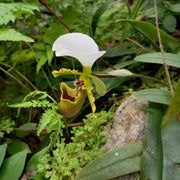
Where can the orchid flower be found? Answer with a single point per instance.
(78, 45)
(85, 50)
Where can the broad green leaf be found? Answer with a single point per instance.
(100, 86)
(154, 95)
(17, 146)
(171, 149)
(2, 152)
(150, 32)
(149, 12)
(152, 158)
(32, 163)
(169, 22)
(118, 162)
(13, 35)
(13, 166)
(24, 126)
(175, 8)
(174, 107)
(171, 59)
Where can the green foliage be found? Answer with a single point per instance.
(41, 99)
(13, 166)
(171, 59)
(160, 156)
(119, 162)
(67, 159)
(50, 119)
(129, 35)
(6, 126)
(2, 152)
(13, 35)
(170, 43)
(11, 11)
(154, 95)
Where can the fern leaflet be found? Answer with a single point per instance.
(11, 11)
(13, 35)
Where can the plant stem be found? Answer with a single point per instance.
(20, 74)
(106, 75)
(151, 78)
(162, 51)
(13, 77)
(47, 79)
(35, 129)
(54, 14)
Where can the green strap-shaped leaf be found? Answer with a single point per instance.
(154, 95)
(100, 86)
(118, 162)
(161, 160)
(171, 149)
(2, 152)
(13, 166)
(150, 32)
(152, 159)
(171, 59)
(174, 107)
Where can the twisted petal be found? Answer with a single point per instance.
(79, 46)
(65, 71)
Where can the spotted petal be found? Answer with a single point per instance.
(79, 46)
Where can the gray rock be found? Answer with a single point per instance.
(127, 127)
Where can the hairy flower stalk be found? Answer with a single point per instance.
(85, 50)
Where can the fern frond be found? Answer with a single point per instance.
(38, 95)
(34, 104)
(45, 119)
(11, 11)
(52, 120)
(13, 35)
